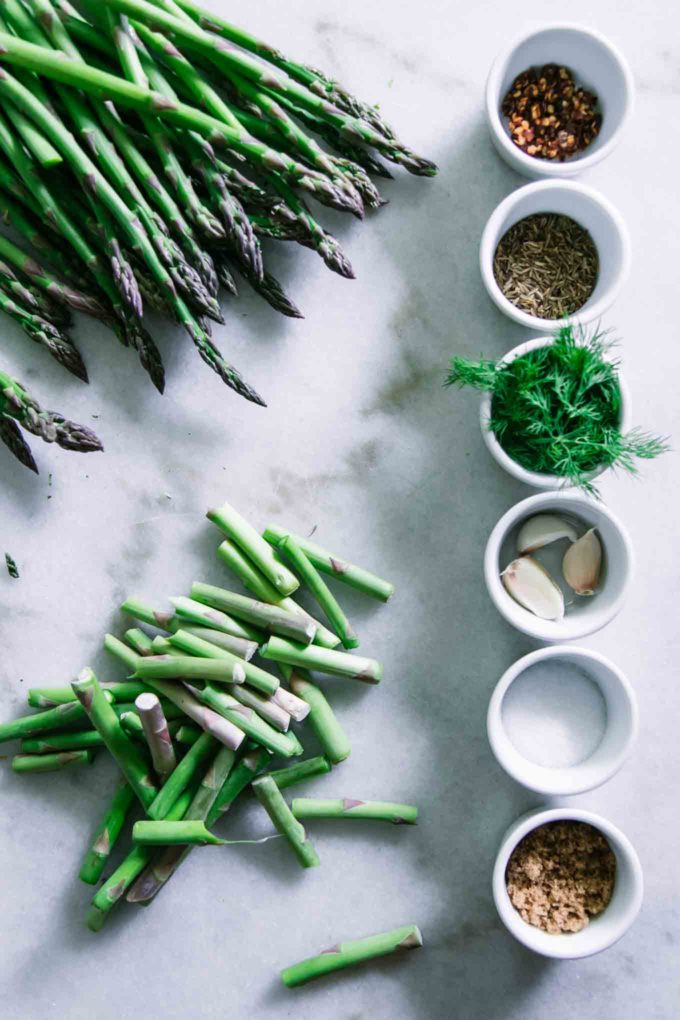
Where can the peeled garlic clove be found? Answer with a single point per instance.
(582, 562)
(542, 530)
(530, 584)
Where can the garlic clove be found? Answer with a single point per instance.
(530, 584)
(582, 562)
(542, 530)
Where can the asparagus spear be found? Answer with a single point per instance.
(10, 435)
(157, 735)
(185, 667)
(246, 538)
(43, 332)
(325, 660)
(300, 772)
(71, 715)
(183, 773)
(320, 590)
(269, 619)
(240, 647)
(121, 651)
(188, 833)
(253, 675)
(380, 811)
(246, 719)
(335, 566)
(107, 833)
(213, 723)
(147, 614)
(326, 727)
(204, 616)
(104, 719)
(347, 954)
(45, 279)
(140, 642)
(240, 777)
(48, 697)
(188, 735)
(271, 799)
(295, 707)
(25, 763)
(54, 743)
(50, 426)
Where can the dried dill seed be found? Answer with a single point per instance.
(547, 265)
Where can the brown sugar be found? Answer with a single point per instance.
(560, 875)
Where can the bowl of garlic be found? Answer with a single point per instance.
(558, 566)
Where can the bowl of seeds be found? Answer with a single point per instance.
(557, 99)
(554, 251)
(567, 883)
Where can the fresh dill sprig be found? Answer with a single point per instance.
(556, 410)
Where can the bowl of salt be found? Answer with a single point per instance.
(562, 720)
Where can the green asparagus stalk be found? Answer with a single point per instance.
(55, 743)
(181, 776)
(296, 708)
(248, 720)
(132, 724)
(271, 799)
(246, 538)
(258, 585)
(105, 721)
(300, 772)
(270, 619)
(187, 833)
(200, 615)
(140, 610)
(25, 763)
(258, 678)
(45, 279)
(326, 727)
(184, 667)
(106, 835)
(240, 647)
(11, 436)
(51, 427)
(335, 566)
(347, 954)
(223, 730)
(157, 735)
(48, 697)
(379, 811)
(188, 735)
(140, 642)
(44, 333)
(240, 777)
(324, 660)
(121, 651)
(71, 715)
(320, 590)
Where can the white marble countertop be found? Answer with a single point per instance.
(361, 441)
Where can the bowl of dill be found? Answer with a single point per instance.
(556, 411)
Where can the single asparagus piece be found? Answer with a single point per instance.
(266, 708)
(48, 697)
(157, 735)
(247, 719)
(240, 647)
(295, 707)
(204, 616)
(273, 293)
(188, 833)
(320, 590)
(240, 777)
(45, 279)
(300, 772)
(50, 426)
(41, 331)
(270, 619)
(246, 538)
(132, 724)
(335, 566)
(71, 715)
(326, 727)
(56, 742)
(324, 660)
(271, 799)
(121, 651)
(253, 675)
(347, 954)
(185, 667)
(117, 884)
(213, 723)
(258, 585)
(188, 735)
(379, 811)
(106, 835)
(105, 721)
(140, 610)
(50, 762)
(140, 642)
(178, 780)
(11, 436)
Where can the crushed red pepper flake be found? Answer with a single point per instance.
(549, 116)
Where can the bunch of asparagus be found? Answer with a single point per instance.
(198, 721)
(146, 150)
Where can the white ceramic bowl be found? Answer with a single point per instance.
(588, 208)
(602, 931)
(587, 614)
(605, 761)
(596, 64)
(534, 478)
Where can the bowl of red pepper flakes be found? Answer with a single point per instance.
(557, 99)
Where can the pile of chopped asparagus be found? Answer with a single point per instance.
(197, 721)
(146, 151)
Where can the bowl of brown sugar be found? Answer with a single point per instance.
(567, 883)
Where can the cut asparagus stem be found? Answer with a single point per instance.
(157, 735)
(59, 718)
(107, 833)
(324, 660)
(374, 810)
(240, 647)
(300, 772)
(326, 727)
(50, 762)
(147, 614)
(346, 954)
(188, 735)
(138, 640)
(203, 616)
(191, 764)
(335, 566)
(296, 708)
(105, 721)
(254, 547)
(220, 728)
(57, 742)
(270, 619)
(117, 884)
(186, 667)
(266, 708)
(258, 678)
(240, 777)
(248, 720)
(320, 590)
(271, 799)
(132, 724)
(121, 651)
(188, 833)
(49, 697)
(258, 585)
